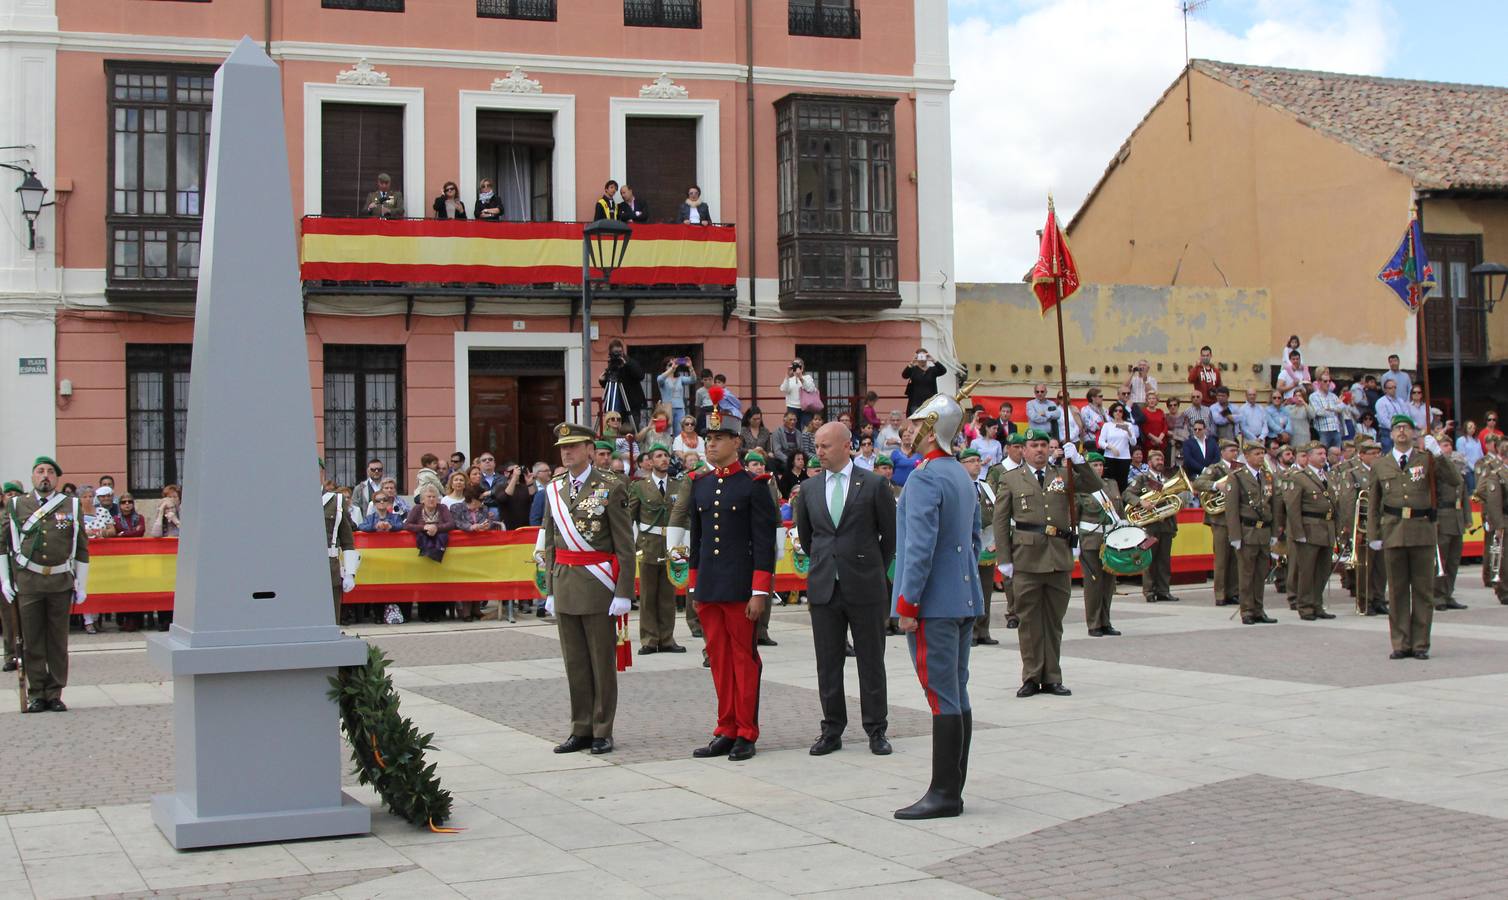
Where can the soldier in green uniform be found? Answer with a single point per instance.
(754, 461)
(1491, 463)
(588, 558)
(46, 574)
(344, 560)
(1141, 491)
(884, 468)
(985, 496)
(1492, 490)
(1226, 583)
(1034, 530)
(1402, 491)
(1372, 589)
(1249, 502)
(1309, 499)
(649, 502)
(1095, 518)
(1450, 531)
(8, 620)
(677, 543)
(1015, 449)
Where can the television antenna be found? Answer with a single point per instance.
(1188, 8)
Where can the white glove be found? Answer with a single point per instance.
(350, 561)
(1301, 539)
(80, 583)
(1236, 544)
(1075, 552)
(1008, 570)
(1432, 445)
(1375, 545)
(7, 589)
(347, 583)
(1071, 453)
(550, 605)
(620, 606)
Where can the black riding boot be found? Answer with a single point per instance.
(943, 797)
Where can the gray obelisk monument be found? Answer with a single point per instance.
(259, 753)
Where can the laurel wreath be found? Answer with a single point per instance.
(386, 747)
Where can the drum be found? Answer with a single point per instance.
(1127, 550)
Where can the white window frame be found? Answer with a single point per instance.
(466, 341)
(709, 166)
(412, 101)
(562, 159)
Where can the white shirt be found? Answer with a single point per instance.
(888, 438)
(846, 474)
(865, 462)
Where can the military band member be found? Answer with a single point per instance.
(1372, 589)
(1402, 490)
(1035, 536)
(986, 502)
(677, 546)
(588, 541)
(1015, 449)
(1450, 531)
(649, 501)
(1492, 490)
(937, 597)
(1226, 581)
(1142, 491)
(46, 574)
(8, 620)
(1095, 519)
(732, 557)
(1310, 504)
(341, 548)
(1249, 503)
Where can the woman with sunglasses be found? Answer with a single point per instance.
(449, 204)
(489, 206)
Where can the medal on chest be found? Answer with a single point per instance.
(62, 521)
(1416, 473)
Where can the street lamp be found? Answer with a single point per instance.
(1484, 273)
(32, 193)
(603, 244)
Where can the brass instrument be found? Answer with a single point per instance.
(1494, 559)
(1165, 502)
(1361, 560)
(1213, 500)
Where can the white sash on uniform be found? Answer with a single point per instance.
(561, 513)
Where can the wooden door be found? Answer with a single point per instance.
(661, 163)
(541, 398)
(1452, 259)
(494, 414)
(359, 141)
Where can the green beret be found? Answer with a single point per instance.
(884, 462)
(753, 456)
(14, 486)
(609, 446)
(653, 447)
(1399, 419)
(49, 461)
(970, 453)
(1094, 456)
(1017, 438)
(813, 463)
(1035, 434)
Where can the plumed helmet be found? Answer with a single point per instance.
(941, 416)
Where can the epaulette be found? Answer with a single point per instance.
(561, 478)
(697, 473)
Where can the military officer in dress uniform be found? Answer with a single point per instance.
(1141, 491)
(1096, 518)
(1450, 530)
(1371, 590)
(649, 502)
(972, 463)
(1309, 499)
(937, 597)
(45, 575)
(588, 558)
(1402, 491)
(1034, 531)
(1015, 448)
(732, 557)
(1250, 498)
(8, 620)
(344, 560)
(1226, 583)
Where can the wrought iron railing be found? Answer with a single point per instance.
(824, 21)
(663, 13)
(534, 10)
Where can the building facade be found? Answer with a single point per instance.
(817, 130)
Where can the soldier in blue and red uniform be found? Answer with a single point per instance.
(732, 559)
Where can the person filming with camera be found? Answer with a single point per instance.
(801, 394)
(921, 379)
(622, 383)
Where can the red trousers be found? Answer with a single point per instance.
(736, 667)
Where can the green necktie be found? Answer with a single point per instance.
(835, 501)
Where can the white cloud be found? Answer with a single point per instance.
(1043, 101)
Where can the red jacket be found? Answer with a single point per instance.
(1206, 382)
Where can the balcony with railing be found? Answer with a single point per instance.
(364, 5)
(663, 13)
(531, 10)
(824, 21)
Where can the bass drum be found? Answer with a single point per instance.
(1127, 550)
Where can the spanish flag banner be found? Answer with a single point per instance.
(468, 252)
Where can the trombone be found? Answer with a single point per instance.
(1360, 559)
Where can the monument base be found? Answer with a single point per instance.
(186, 831)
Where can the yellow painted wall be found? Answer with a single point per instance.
(1256, 199)
(1487, 219)
(1107, 328)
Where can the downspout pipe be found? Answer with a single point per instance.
(753, 216)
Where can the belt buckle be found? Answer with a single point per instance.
(1408, 512)
(1329, 515)
(47, 570)
(1051, 530)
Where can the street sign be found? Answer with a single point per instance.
(33, 365)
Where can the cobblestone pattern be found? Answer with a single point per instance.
(1309, 652)
(474, 645)
(1248, 837)
(291, 888)
(111, 667)
(664, 715)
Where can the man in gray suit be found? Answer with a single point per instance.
(845, 519)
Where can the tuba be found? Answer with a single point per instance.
(1213, 500)
(1166, 502)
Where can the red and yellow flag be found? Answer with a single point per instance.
(1055, 278)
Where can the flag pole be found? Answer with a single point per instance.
(1057, 288)
(1429, 400)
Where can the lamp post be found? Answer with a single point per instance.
(33, 194)
(1485, 273)
(603, 244)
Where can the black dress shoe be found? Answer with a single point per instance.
(879, 745)
(1096, 632)
(539, 612)
(36, 706)
(1449, 604)
(696, 632)
(57, 705)
(1107, 631)
(767, 642)
(1248, 620)
(988, 641)
(1306, 618)
(718, 746)
(673, 648)
(574, 744)
(10, 665)
(1265, 619)
(706, 660)
(826, 744)
(1012, 622)
(742, 750)
(1169, 598)
(1400, 654)
(647, 649)
(1057, 690)
(601, 746)
(1028, 689)
(1324, 615)
(1418, 654)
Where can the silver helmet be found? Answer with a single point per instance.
(941, 416)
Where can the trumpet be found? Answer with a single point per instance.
(1213, 500)
(1165, 502)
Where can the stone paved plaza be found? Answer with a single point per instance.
(1197, 758)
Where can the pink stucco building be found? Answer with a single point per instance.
(818, 128)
